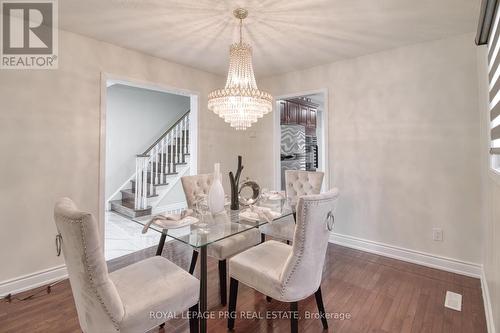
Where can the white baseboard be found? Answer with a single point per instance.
(416, 257)
(488, 310)
(32, 280)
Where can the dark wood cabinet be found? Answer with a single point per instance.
(304, 111)
(311, 119)
(298, 112)
(293, 113)
(283, 112)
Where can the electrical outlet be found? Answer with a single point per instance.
(437, 234)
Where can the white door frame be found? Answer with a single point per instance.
(277, 135)
(133, 82)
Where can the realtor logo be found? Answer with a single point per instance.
(29, 34)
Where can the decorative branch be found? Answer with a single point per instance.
(235, 184)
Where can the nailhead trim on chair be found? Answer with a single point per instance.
(302, 230)
(89, 271)
(301, 250)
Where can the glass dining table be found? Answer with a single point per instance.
(212, 228)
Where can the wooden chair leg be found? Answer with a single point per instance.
(223, 282)
(233, 295)
(194, 258)
(193, 319)
(294, 317)
(321, 308)
(161, 244)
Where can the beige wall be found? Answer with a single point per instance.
(403, 144)
(49, 140)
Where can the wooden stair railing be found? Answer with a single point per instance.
(160, 160)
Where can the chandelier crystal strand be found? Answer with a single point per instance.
(240, 103)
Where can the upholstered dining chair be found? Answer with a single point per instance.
(298, 182)
(128, 299)
(198, 185)
(289, 273)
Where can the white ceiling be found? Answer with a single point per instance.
(286, 35)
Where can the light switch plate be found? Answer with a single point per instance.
(437, 234)
(453, 301)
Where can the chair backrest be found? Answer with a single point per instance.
(98, 304)
(299, 182)
(301, 276)
(196, 185)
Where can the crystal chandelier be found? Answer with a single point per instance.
(240, 103)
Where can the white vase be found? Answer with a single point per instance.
(216, 192)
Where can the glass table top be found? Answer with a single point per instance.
(212, 228)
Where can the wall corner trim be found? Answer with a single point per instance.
(408, 255)
(33, 280)
(488, 310)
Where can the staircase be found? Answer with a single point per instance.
(158, 169)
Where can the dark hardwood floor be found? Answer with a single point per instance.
(378, 294)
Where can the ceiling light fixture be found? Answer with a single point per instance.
(240, 103)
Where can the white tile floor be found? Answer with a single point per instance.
(123, 236)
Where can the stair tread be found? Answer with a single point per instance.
(129, 208)
(164, 162)
(165, 173)
(129, 191)
(160, 184)
(176, 153)
(127, 205)
(159, 169)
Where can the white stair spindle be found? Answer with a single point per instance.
(174, 145)
(152, 162)
(156, 159)
(171, 154)
(167, 161)
(177, 134)
(145, 164)
(149, 165)
(181, 160)
(182, 140)
(141, 181)
(162, 159)
(177, 143)
(136, 189)
(165, 156)
(144, 182)
(187, 132)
